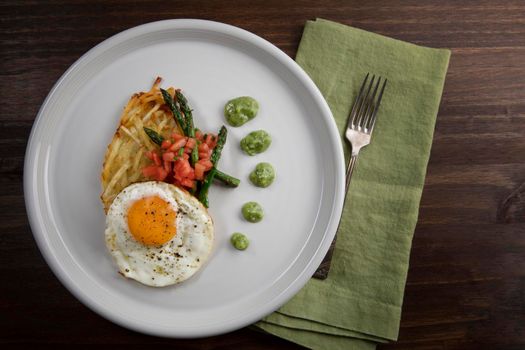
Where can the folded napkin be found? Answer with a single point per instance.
(359, 304)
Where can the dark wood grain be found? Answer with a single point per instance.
(466, 283)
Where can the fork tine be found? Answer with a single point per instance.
(364, 104)
(370, 108)
(353, 112)
(373, 117)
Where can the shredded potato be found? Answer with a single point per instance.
(124, 160)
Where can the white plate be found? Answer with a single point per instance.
(211, 62)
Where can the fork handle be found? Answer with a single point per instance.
(350, 169)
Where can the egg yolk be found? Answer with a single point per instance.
(151, 221)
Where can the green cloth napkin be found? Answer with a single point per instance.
(359, 304)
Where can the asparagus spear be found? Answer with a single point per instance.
(190, 129)
(228, 180)
(183, 103)
(154, 136)
(221, 140)
(215, 156)
(220, 176)
(176, 113)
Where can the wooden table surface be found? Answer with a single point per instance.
(466, 284)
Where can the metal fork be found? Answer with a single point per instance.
(362, 119)
(359, 127)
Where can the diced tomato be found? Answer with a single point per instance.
(211, 140)
(191, 143)
(199, 171)
(187, 183)
(178, 166)
(205, 155)
(185, 168)
(206, 163)
(178, 163)
(177, 177)
(155, 172)
(165, 144)
(177, 145)
(198, 135)
(204, 151)
(203, 147)
(167, 165)
(156, 159)
(162, 174)
(176, 137)
(150, 171)
(172, 162)
(168, 156)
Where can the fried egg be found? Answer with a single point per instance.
(158, 234)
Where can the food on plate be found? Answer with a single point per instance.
(226, 179)
(256, 142)
(252, 212)
(263, 175)
(156, 176)
(177, 151)
(125, 155)
(239, 241)
(214, 158)
(240, 110)
(156, 140)
(158, 234)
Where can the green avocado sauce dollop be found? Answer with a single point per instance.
(239, 241)
(263, 175)
(256, 142)
(240, 110)
(252, 212)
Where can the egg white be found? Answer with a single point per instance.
(172, 262)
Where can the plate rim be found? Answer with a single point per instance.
(34, 211)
